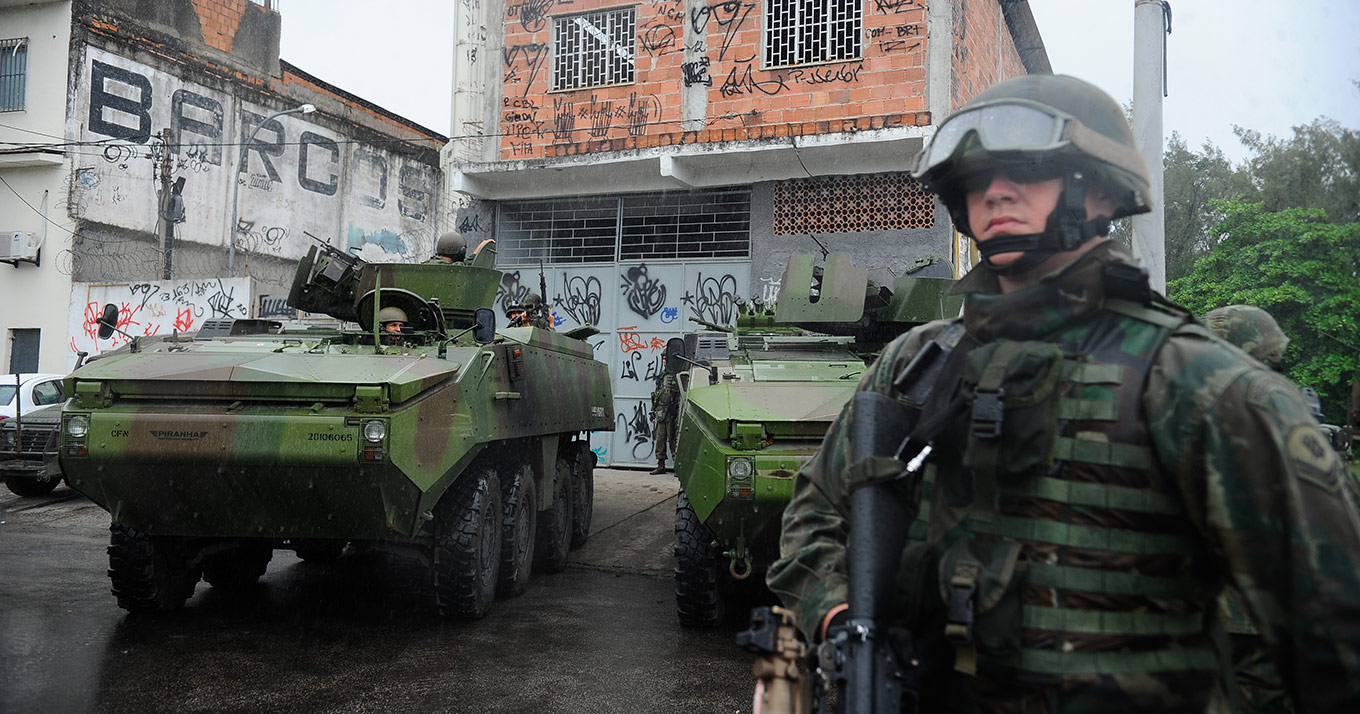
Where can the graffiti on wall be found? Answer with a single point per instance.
(153, 308)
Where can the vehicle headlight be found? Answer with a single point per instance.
(739, 468)
(78, 426)
(375, 430)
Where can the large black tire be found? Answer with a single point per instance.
(468, 546)
(149, 573)
(698, 594)
(554, 524)
(582, 493)
(519, 527)
(28, 486)
(238, 568)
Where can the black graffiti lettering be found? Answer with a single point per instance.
(379, 167)
(210, 151)
(531, 55)
(730, 16)
(645, 295)
(908, 30)
(510, 292)
(101, 99)
(715, 299)
(532, 14)
(651, 367)
(640, 112)
(306, 142)
(471, 223)
(564, 120)
(223, 303)
(414, 188)
(637, 430)
(894, 6)
(263, 149)
(658, 39)
(696, 73)
(274, 306)
(580, 298)
(827, 75)
(744, 83)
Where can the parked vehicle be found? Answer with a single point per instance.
(27, 391)
(759, 399)
(28, 451)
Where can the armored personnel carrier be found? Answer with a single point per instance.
(431, 435)
(760, 398)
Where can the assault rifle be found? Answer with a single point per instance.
(867, 666)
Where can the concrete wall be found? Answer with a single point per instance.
(35, 297)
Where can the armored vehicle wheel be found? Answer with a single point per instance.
(554, 524)
(582, 493)
(698, 599)
(149, 573)
(468, 546)
(238, 568)
(24, 486)
(519, 526)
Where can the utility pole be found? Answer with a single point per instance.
(1151, 25)
(165, 226)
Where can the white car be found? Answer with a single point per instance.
(33, 390)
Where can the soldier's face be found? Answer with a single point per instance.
(1000, 206)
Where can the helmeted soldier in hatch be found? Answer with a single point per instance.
(1251, 329)
(666, 417)
(450, 247)
(1099, 464)
(530, 313)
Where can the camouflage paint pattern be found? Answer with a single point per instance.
(1240, 454)
(263, 435)
(1251, 329)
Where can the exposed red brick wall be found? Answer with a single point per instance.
(219, 19)
(978, 60)
(884, 88)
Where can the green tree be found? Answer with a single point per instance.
(1192, 181)
(1301, 268)
(1318, 167)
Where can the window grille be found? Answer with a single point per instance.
(13, 74)
(671, 225)
(799, 32)
(593, 50)
(851, 204)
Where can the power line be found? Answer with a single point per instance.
(35, 210)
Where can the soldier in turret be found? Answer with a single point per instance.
(1088, 465)
(450, 248)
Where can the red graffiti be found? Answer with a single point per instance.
(91, 325)
(184, 320)
(658, 344)
(630, 342)
(151, 330)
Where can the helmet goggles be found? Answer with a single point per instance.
(1013, 125)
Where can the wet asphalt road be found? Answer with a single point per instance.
(360, 635)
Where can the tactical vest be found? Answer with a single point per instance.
(1060, 548)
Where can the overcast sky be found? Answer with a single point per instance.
(1262, 64)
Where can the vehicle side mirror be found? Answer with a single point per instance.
(108, 321)
(484, 327)
(675, 349)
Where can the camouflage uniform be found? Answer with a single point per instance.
(666, 415)
(1162, 483)
(1256, 678)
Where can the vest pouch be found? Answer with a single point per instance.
(1012, 392)
(979, 581)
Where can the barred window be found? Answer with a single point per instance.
(595, 49)
(668, 225)
(799, 32)
(13, 74)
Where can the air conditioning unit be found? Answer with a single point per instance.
(19, 245)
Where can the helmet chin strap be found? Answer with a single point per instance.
(1066, 229)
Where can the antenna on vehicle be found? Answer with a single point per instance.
(825, 252)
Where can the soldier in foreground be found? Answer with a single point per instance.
(1086, 466)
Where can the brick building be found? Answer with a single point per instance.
(662, 158)
(117, 113)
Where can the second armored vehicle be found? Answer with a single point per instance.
(425, 432)
(759, 400)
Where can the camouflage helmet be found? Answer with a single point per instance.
(391, 314)
(451, 245)
(1036, 121)
(531, 301)
(1251, 329)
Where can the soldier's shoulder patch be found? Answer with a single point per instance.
(1313, 457)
